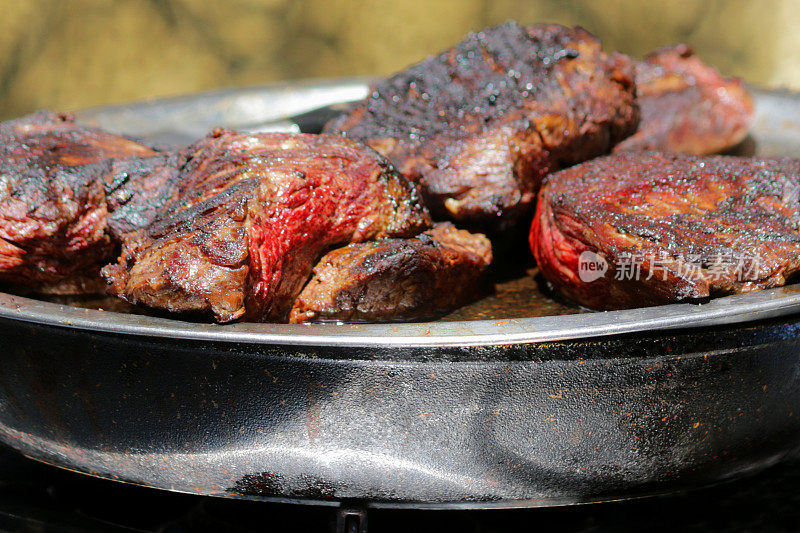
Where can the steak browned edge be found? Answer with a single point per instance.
(669, 227)
(396, 279)
(251, 216)
(52, 201)
(479, 125)
(687, 106)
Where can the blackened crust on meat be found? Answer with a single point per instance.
(137, 189)
(479, 125)
(670, 227)
(52, 201)
(250, 217)
(687, 106)
(396, 279)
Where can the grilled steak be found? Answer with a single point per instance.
(394, 279)
(687, 106)
(667, 227)
(52, 201)
(479, 125)
(250, 217)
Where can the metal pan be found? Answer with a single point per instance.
(539, 410)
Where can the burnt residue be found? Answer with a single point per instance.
(267, 484)
(520, 297)
(310, 487)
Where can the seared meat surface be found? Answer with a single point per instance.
(52, 201)
(687, 106)
(249, 218)
(479, 125)
(667, 227)
(232, 225)
(396, 279)
(137, 189)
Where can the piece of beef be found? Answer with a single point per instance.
(396, 279)
(667, 227)
(687, 106)
(251, 215)
(52, 201)
(479, 125)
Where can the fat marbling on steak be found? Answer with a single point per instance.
(250, 216)
(52, 201)
(687, 106)
(480, 124)
(396, 279)
(667, 227)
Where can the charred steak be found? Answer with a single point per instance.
(396, 279)
(638, 229)
(52, 201)
(250, 217)
(479, 125)
(137, 188)
(687, 106)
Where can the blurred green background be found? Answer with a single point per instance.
(68, 54)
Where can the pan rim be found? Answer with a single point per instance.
(726, 310)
